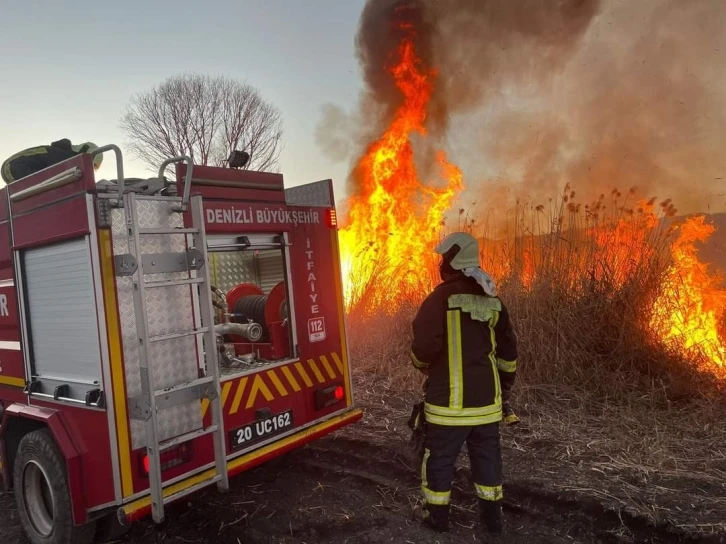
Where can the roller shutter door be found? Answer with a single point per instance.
(61, 310)
(271, 270)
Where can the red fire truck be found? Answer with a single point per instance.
(158, 336)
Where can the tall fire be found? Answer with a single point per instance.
(691, 305)
(395, 218)
(396, 210)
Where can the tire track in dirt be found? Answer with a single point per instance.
(381, 466)
(344, 489)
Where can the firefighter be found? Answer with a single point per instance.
(463, 341)
(34, 159)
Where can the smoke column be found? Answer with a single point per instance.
(531, 95)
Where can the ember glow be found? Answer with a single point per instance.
(394, 219)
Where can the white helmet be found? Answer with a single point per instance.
(468, 254)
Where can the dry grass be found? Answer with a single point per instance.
(611, 408)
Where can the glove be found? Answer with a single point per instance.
(509, 417)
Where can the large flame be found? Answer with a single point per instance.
(691, 305)
(394, 219)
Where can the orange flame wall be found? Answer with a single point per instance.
(394, 219)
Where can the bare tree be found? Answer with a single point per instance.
(205, 118)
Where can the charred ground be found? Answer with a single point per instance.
(566, 481)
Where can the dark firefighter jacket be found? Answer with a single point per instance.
(464, 339)
(35, 159)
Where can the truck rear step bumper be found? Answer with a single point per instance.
(140, 508)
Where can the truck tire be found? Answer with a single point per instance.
(42, 495)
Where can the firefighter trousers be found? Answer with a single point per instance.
(443, 445)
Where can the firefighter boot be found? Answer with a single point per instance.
(433, 516)
(490, 514)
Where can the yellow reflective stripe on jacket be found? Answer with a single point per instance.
(462, 417)
(464, 421)
(489, 493)
(479, 307)
(506, 366)
(462, 412)
(416, 362)
(456, 371)
(497, 388)
(493, 339)
(493, 359)
(31, 151)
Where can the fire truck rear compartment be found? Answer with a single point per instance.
(251, 290)
(140, 271)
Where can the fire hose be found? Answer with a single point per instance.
(251, 331)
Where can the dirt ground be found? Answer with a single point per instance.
(359, 486)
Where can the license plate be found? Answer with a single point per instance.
(261, 429)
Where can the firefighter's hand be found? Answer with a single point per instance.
(509, 417)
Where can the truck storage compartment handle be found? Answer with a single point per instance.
(119, 169)
(187, 178)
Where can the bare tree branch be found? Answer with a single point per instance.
(205, 118)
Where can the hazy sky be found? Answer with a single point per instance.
(68, 68)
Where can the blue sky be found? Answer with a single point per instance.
(69, 68)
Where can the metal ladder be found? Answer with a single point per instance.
(207, 387)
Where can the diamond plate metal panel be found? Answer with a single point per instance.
(170, 309)
(311, 194)
(230, 268)
(157, 213)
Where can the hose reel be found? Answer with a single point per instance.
(248, 303)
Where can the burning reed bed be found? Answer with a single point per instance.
(621, 367)
(599, 290)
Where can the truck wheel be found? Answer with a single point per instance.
(41, 493)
